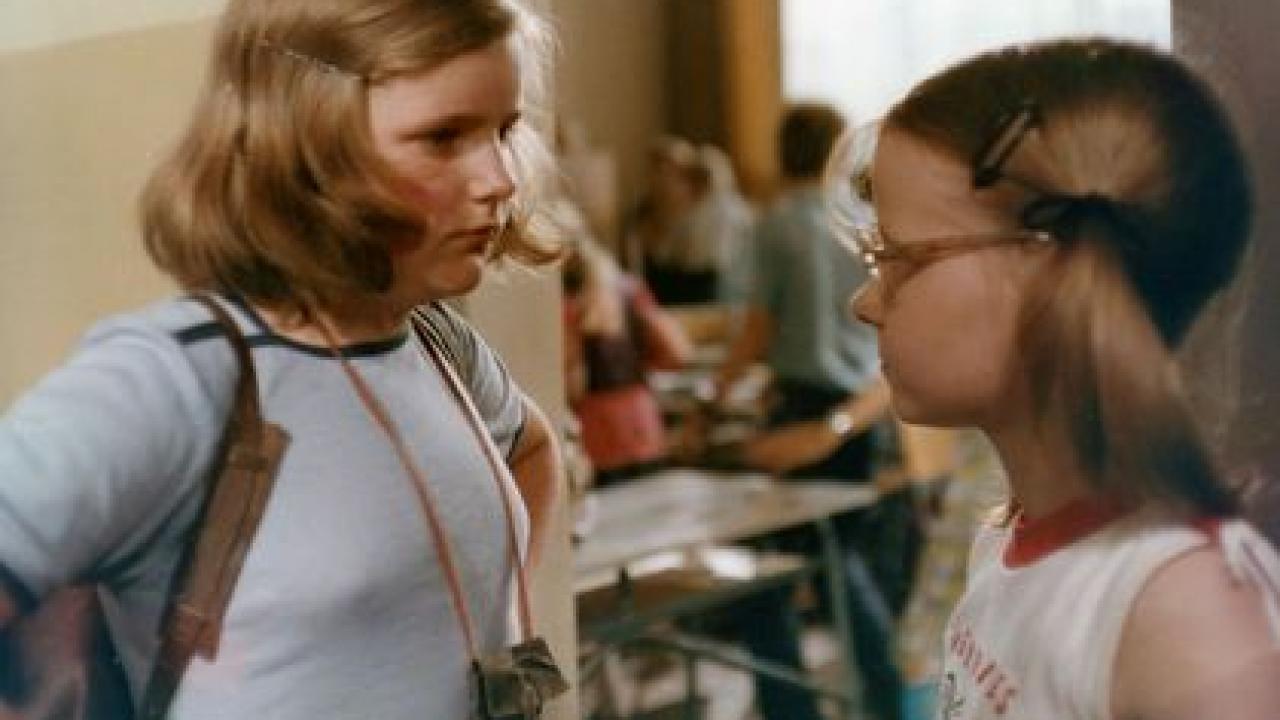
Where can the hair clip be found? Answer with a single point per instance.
(1008, 134)
(300, 56)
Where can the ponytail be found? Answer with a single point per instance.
(1114, 381)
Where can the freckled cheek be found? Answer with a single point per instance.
(980, 363)
(930, 351)
(904, 334)
(947, 388)
(907, 358)
(417, 193)
(426, 201)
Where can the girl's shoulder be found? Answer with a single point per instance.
(176, 340)
(110, 449)
(1204, 626)
(1234, 572)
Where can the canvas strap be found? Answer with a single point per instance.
(233, 508)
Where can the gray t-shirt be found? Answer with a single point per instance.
(804, 280)
(342, 610)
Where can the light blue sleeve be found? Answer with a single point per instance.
(496, 395)
(102, 456)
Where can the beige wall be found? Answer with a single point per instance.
(610, 78)
(37, 24)
(81, 121)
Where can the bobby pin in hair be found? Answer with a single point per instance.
(316, 62)
(1008, 133)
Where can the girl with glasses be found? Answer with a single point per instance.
(1052, 219)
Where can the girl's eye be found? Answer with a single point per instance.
(504, 133)
(442, 139)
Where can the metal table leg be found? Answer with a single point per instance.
(690, 686)
(833, 559)
(692, 646)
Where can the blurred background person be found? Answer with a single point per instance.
(827, 396)
(615, 333)
(826, 392)
(657, 240)
(721, 224)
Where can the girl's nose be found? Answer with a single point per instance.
(493, 180)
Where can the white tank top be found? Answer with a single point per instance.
(1038, 640)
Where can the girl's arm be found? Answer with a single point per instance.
(667, 345)
(535, 464)
(104, 460)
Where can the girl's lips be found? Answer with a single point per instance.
(476, 242)
(485, 230)
(476, 235)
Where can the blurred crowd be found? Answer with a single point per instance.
(713, 331)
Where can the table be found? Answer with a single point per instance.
(683, 509)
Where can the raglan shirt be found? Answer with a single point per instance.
(341, 609)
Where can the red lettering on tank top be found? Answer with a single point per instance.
(1003, 699)
(974, 660)
(989, 678)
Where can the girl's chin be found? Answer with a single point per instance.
(459, 280)
(909, 411)
(917, 413)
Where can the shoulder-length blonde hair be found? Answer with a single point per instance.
(1130, 162)
(275, 193)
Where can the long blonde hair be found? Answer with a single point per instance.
(274, 192)
(1130, 162)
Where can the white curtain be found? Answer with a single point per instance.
(861, 55)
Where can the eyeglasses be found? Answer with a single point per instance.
(893, 261)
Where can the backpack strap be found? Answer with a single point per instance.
(236, 497)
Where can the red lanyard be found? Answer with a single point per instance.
(426, 500)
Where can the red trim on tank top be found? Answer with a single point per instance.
(1209, 525)
(1032, 540)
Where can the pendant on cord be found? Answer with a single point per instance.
(516, 683)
